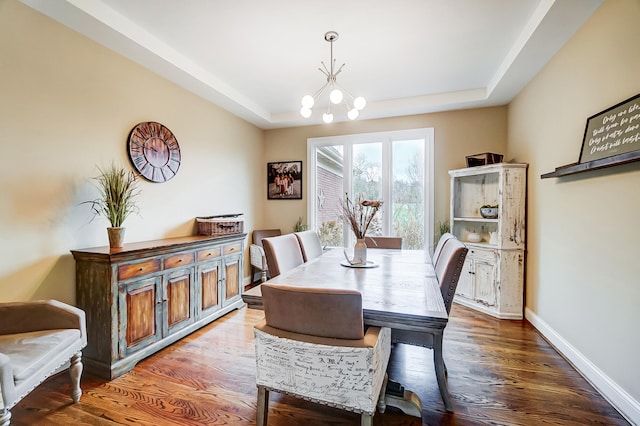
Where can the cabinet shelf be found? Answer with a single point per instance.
(475, 219)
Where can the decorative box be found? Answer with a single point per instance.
(225, 224)
(483, 159)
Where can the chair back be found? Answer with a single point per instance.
(309, 244)
(318, 312)
(283, 253)
(441, 242)
(259, 234)
(383, 242)
(449, 268)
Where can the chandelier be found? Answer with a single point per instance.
(337, 95)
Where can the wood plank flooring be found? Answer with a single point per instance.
(500, 373)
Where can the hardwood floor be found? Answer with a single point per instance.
(500, 373)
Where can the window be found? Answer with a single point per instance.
(395, 167)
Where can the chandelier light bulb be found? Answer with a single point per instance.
(353, 114)
(327, 117)
(305, 112)
(336, 96)
(359, 103)
(307, 102)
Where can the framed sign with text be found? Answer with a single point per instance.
(614, 131)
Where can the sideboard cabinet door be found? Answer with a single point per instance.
(232, 279)
(209, 300)
(140, 319)
(177, 305)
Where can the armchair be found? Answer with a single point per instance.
(312, 345)
(256, 252)
(36, 339)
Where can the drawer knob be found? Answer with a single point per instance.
(141, 269)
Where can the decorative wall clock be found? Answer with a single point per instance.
(154, 151)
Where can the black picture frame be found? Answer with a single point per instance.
(611, 132)
(284, 180)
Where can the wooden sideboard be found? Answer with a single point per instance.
(147, 295)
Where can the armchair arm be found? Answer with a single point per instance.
(22, 317)
(258, 259)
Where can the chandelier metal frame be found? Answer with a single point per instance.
(337, 96)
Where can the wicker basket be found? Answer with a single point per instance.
(227, 224)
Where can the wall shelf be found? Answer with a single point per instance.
(572, 169)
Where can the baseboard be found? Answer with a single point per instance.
(618, 397)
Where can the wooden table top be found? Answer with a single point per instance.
(401, 292)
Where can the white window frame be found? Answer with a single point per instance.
(427, 134)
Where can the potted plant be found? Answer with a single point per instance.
(118, 191)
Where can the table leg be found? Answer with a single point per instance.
(441, 372)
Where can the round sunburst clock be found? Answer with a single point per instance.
(154, 151)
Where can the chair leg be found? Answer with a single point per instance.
(366, 419)
(5, 417)
(441, 372)
(263, 406)
(382, 398)
(263, 277)
(75, 371)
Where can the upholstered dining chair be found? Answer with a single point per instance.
(383, 242)
(256, 252)
(448, 270)
(282, 253)
(441, 242)
(36, 339)
(309, 244)
(312, 345)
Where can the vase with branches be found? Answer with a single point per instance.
(117, 201)
(359, 214)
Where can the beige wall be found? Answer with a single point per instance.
(67, 104)
(456, 133)
(582, 266)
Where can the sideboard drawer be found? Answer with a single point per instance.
(137, 269)
(210, 253)
(178, 260)
(232, 248)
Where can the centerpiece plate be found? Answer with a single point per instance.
(368, 264)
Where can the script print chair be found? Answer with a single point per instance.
(312, 345)
(448, 270)
(256, 252)
(282, 253)
(36, 339)
(310, 244)
(383, 242)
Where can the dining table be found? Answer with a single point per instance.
(399, 290)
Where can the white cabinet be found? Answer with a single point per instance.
(493, 277)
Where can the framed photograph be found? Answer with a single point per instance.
(284, 180)
(614, 131)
